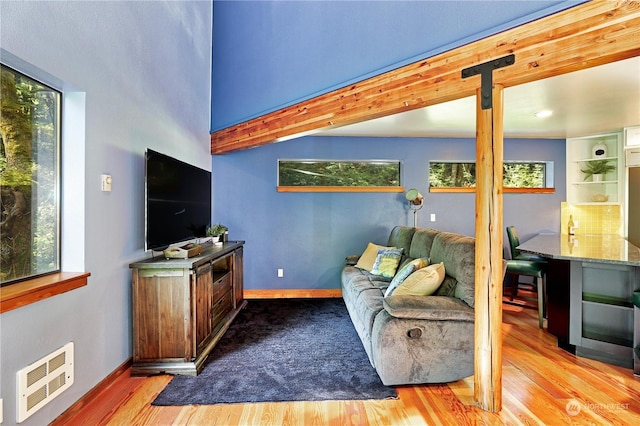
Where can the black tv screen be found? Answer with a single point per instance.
(178, 201)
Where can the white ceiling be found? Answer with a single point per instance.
(591, 101)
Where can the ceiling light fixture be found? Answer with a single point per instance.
(544, 113)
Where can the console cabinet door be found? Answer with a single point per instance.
(203, 300)
(161, 311)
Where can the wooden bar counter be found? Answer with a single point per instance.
(590, 283)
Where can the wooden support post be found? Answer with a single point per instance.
(489, 263)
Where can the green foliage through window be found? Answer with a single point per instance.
(29, 177)
(338, 173)
(517, 174)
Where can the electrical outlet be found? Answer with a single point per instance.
(105, 183)
(280, 272)
(433, 217)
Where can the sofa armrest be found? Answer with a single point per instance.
(352, 259)
(437, 308)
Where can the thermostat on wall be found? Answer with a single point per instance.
(599, 151)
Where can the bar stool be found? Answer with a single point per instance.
(636, 333)
(516, 254)
(526, 264)
(515, 268)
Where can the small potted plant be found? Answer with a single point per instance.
(597, 169)
(217, 232)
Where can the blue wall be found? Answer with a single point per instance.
(270, 54)
(309, 234)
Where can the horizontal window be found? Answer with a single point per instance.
(518, 176)
(339, 176)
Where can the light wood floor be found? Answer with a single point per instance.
(542, 385)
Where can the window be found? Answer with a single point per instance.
(339, 176)
(29, 177)
(518, 176)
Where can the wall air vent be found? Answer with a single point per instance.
(44, 380)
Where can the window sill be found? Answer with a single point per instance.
(340, 188)
(31, 291)
(504, 190)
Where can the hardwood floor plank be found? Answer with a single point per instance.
(541, 383)
(135, 407)
(518, 411)
(353, 413)
(415, 408)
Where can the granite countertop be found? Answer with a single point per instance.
(586, 248)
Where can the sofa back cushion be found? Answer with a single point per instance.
(458, 254)
(401, 237)
(421, 243)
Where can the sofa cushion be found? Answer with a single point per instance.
(404, 272)
(401, 237)
(423, 282)
(366, 307)
(458, 254)
(368, 257)
(447, 288)
(387, 262)
(422, 242)
(360, 280)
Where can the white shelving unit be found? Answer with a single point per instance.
(579, 154)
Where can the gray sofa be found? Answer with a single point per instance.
(417, 339)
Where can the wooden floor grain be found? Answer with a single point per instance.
(542, 385)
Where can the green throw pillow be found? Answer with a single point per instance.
(404, 272)
(387, 262)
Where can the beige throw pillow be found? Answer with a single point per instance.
(423, 282)
(368, 258)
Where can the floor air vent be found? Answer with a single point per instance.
(43, 380)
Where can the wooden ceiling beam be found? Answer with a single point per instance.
(584, 36)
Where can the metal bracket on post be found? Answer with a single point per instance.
(486, 73)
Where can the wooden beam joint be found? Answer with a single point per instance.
(486, 74)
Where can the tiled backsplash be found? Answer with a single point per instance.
(592, 218)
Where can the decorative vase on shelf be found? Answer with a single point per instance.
(597, 177)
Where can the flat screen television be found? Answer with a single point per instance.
(178, 201)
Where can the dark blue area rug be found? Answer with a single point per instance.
(283, 350)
